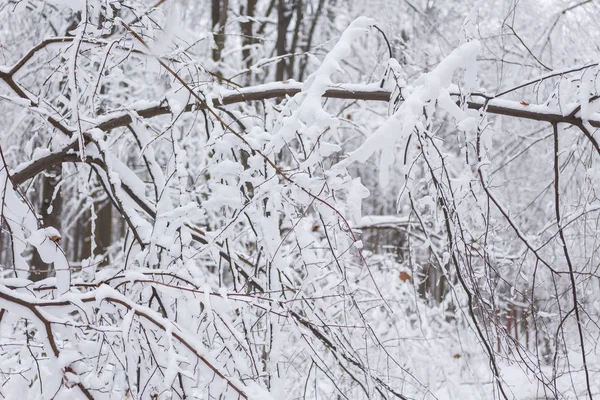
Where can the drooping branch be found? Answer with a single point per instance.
(561, 235)
(36, 308)
(45, 325)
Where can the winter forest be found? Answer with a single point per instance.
(299, 199)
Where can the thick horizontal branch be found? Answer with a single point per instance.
(243, 95)
(34, 167)
(352, 92)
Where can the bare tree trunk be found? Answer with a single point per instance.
(83, 236)
(103, 231)
(219, 20)
(309, 38)
(5, 244)
(248, 38)
(295, 37)
(283, 21)
(50, 212)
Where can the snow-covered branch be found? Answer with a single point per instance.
(367, 92)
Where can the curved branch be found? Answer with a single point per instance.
(161, 323)
(47, 324)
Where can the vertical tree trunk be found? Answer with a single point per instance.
(50, 217)
(309, 38)
(296, 37)
(219, 20)
(248, 38)
(5, 244)
(83, 236)
(103, 231)
(283, 21)
(516, 323)
(497, 325)
(526, 328)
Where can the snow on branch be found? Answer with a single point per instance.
(367, 92)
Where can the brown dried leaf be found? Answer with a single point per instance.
(404, 276)
(55, 239)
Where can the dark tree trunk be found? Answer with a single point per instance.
(51, 216)
(103, 231)
(40, 270)
(83, 233)
(248, 38)
(219, 20)
(296, 37)
(284, 17)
